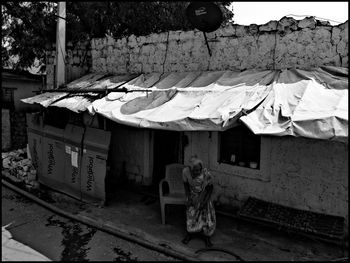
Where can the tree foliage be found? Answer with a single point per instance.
(28, 27)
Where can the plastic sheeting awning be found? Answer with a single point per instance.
(80, 102)
(187, 101)
(311, 104)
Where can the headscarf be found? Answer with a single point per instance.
(195, 161)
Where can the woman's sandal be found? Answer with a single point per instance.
(208, 242)
(186, 239)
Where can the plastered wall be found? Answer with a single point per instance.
(280, 44)
(298, 172)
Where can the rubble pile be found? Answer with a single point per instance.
(17, 167)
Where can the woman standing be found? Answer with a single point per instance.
(200, 213)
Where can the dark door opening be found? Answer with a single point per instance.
(166, 150)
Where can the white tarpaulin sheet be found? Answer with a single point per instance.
(187, 101)
(312, 104)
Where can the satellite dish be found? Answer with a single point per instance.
(205, 16)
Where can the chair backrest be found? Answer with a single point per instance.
(173, 174)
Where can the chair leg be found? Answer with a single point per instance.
(162, 210)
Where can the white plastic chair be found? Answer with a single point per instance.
(176, 195)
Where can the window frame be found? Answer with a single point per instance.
(263, 174)
(240, 146)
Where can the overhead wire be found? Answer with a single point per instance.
(315, 17)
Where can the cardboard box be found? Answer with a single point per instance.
(35, 136)
(73, 136)
(53, 158)
(93, 170)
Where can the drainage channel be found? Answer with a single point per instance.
(102, 227)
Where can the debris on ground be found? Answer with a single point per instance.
(17, 167)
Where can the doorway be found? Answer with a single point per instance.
(166, 150)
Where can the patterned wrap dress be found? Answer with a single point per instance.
(199, 220)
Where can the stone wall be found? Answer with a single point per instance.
(78, 62)
(280, 44)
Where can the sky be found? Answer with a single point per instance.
(246, 13)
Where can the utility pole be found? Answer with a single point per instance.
(61, 46)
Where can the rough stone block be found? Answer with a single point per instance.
(240, 30)
(135, 68)
(288, 23)
(253, 29)
(186, 35)
(270, 26)
(95, 54)
(227, 31)
(104, 53)
(110, 41)
(333, 61)
(76, 60)
(308, 22)
(344, 32)
(345, 62)
(157, 67)
(336, 35)
(305, 36)
(322, 34)
(69, 53)
(132, 41)
(141, 40)
(174, 35)
(145, 49)
(342, 48)
(161, 46)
